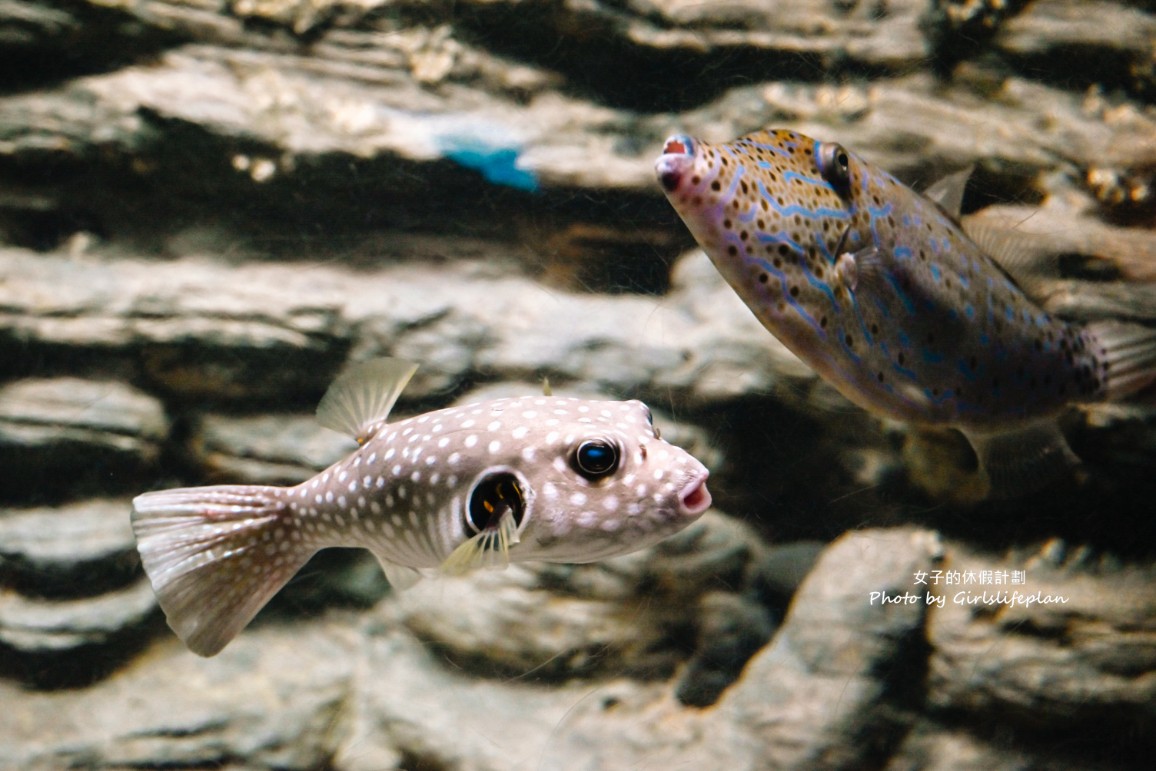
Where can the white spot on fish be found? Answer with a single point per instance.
(470, 440)
(494, 447)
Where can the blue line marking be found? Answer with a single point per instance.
(903, 298)
(779, 238)
(787, 295)
(772, 148)
(811, 214)
(790, 175)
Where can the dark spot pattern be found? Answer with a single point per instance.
(929, 328)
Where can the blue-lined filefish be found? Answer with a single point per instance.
(543, 478)
(881, 291)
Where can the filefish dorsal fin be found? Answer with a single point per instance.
(1019, 254)
(948, 192)
(363, 395)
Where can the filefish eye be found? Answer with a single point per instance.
(491, 498)
(596, 458)
(834, 164)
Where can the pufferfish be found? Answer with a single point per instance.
(542, 478)
(880, 291)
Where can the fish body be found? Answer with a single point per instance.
(879, 289)
(530, 478)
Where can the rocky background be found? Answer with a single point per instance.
(208, 208)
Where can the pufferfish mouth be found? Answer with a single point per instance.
(694, 499)
(676, 160)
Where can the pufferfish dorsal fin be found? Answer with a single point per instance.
(948, 192)
(363, 395)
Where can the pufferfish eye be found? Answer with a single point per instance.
(834, 164)
(596, 458)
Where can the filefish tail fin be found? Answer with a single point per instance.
(1023, 459)
(215, 556)
(1130, 353)
(488, 549)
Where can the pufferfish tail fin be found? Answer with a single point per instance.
(1129, 351)
(215, 556)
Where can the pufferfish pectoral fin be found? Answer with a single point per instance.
(363, 395)
(488, 549)
(399, 576)
(1023, 459)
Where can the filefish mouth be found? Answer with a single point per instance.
(676, 159)
(694, 498)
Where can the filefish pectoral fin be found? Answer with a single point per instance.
(948, 192)
(363, 396)
(1023, 459)
(866, 268)
(215, 556)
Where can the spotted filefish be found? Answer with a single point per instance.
(880, 290)
(508, 480)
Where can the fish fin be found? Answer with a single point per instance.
(399, 576)
(865, 268)
(488, 549)
(1130, 353)
(206, 551)
(948, 192)
(363, 395)
(1023, 459)
(1018, 254)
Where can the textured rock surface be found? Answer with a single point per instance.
(208, 209)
